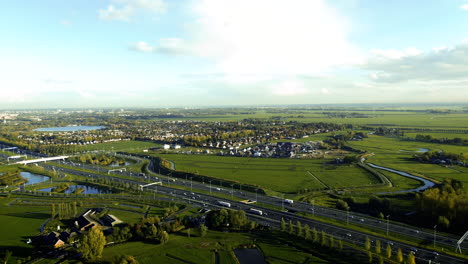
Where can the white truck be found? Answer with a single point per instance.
(289, 201)
(224, 204)
(255, 211)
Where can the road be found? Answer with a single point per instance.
(273, 216)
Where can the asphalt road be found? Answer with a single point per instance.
(274, 216)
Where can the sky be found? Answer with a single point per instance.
(191, 53)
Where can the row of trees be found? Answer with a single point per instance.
(442, 157)
(102, 159)
(229, 219)
(330, 241)
(451, 141)
(64, 210)
(11, 178)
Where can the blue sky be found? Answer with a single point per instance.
(168, 53)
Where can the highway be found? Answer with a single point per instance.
(270, 216)
(274, 216)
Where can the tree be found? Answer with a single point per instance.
(291, 227)
(307, 232)
(378, 247)
(340, 244)
(202, 230)
(300, 233)
(283, 224)
(315, 235)
(381, 260)
(369, 256)
(323, 238)
(410, 259)
(7, 256)
(92, 244)
(332, 241)
(399, 256)
(367, 244)
(164, 237)
(53, 211)
(388, 251)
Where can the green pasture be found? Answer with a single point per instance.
(194, 249)
(397, 154)
(184, 249)
(132, 145)
(391, 116)
(283, 175)
(18, 224)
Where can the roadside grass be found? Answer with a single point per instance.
(283, 175)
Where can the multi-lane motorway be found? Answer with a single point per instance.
(274, 216)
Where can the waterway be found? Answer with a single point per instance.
(88, 189)
(249, 255)
(68, 128)
(426, 183)
(116, 164)
(34, 178)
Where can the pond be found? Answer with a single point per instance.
(419, 150)
(34, 178)
(88, 189)
(68, 128)
(249, 255)
(116, 164)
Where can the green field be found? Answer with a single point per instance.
(391, 116)
(19, 223)
(283, 175)
(397, 154)
(119, 146)
(182, 249)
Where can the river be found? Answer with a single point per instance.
(427, 183)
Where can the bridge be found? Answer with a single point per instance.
(24, 162)
(149, 184)
(119, 170)
(16, 157)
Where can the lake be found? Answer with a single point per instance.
(34, 178)
(68, 128)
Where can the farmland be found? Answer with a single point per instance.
(282, 175)
(397, 154)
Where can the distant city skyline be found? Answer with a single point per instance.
(162, 53)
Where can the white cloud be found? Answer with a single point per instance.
(113, 13)
(126, 9)
(437, 64)
(289, 88)
(464, 6)
(142, 47)
(265, 37)
(65, 23)
(170, 46)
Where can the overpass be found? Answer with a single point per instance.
(24, 162)
(149, 184)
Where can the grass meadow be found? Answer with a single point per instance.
(283, 175)
(397, 154)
